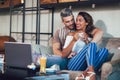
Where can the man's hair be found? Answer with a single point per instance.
(66, 12)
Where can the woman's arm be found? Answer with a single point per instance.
(66, 51)
(97, 35)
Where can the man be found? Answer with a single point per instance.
(60, 35)
(59, 39)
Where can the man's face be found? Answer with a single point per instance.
(69, 22)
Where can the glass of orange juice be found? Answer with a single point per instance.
(43, 64)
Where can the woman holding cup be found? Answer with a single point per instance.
(83, 56)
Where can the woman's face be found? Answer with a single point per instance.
(81, 23)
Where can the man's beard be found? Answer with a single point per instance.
(73, 27)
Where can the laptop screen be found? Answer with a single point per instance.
(18, 54)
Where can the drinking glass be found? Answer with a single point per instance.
(43, 64)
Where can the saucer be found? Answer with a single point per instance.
(50, 70)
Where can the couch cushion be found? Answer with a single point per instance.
(40, 49)
(110, 43)
(116, 54)
(113, 45)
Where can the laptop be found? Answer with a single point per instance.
(18, 55)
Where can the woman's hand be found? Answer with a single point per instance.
(71, 54)
(76, 36)
(84, 37)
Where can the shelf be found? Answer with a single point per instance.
(38, 33)
(8, 8)
(8, 3)
(80, 3)
(4, 10)
(32, 33)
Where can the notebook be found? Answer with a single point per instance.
(18, 54)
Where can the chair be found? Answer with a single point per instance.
(2, 49)
(2, 40)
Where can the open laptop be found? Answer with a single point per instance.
(18, 54)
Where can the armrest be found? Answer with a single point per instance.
(106, 70)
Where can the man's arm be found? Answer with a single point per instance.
(56, 44)
(56, 49)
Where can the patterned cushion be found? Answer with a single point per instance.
(112, 44)
(40, 49)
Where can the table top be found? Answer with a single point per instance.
(56, 76)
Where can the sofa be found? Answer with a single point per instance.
(110, 70)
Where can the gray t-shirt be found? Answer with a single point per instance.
(60, 36)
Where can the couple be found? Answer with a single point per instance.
(77, 42)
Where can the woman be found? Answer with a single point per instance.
(87, 59)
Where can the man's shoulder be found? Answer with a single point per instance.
(62, 29)
(66, 29)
